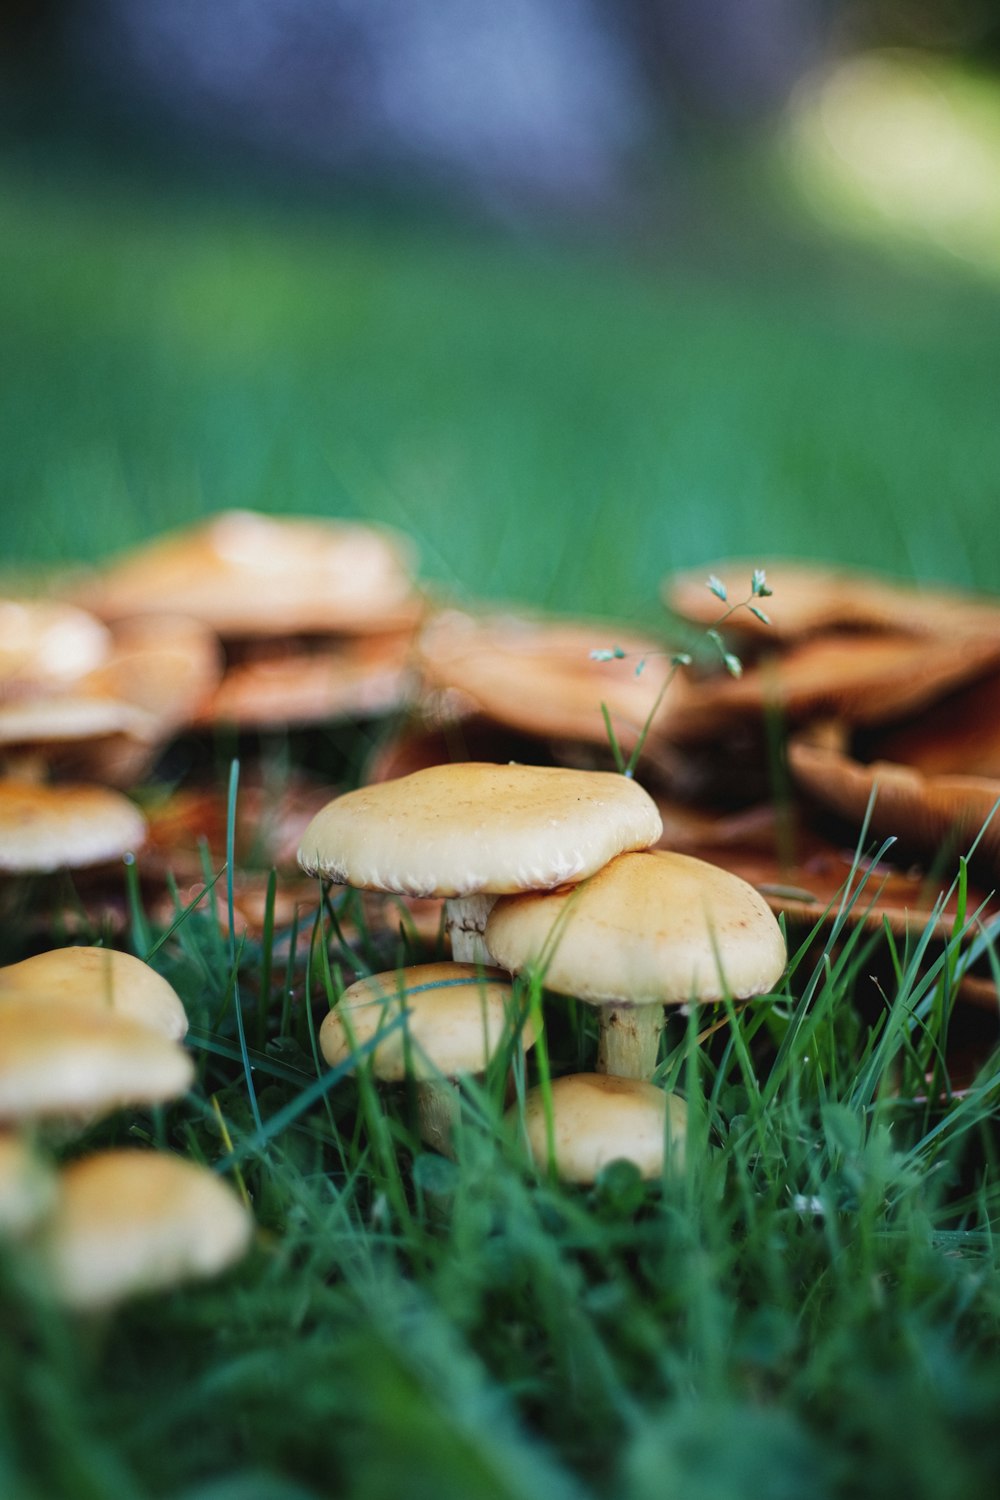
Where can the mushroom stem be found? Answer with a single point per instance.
(464, 920)
(437, 1101)
(629, 1040)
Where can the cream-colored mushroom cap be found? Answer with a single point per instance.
(46, 643)
(85, 1063)
(456, 1016)
(27, 1187)
(44, 828)
(99, 978)
(649, 927)
(129, 1222)
(456, 830)
(598, 1118)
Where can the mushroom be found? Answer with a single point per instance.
(128, 1222)
(541, 677)
(101, 979)
(926, 812)
(45, 644)
(82, 1064)
(455, 1019)
(46, 828)
(472, 831)
(597, 1119)
(248, 574)
(812, 599)
(648, 930)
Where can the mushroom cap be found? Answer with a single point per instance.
(165, 665)
(45, 828)
(807, 882)
(861, 678)
(27, 1187)
(811, 598)
(457, 1015)
(598, 1118)
(128, 1222)
(253, 575)
(87, 1063)
(958, 735)
(456, 830)
(923, 811)
(649, 928)
(539, 677)
(357, 676)
(101, 978)
(46, 643)
(64, 717)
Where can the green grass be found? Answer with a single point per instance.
(813, 1307)
(552, 425)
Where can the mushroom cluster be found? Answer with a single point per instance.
(490, 807)
(85, 1032)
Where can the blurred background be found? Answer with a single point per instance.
(575, 293)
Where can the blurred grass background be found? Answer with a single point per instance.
(555, 421)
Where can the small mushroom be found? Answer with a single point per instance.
(648, 930)
(101, 979)
(471, 831)
(83, 1064)
(130, 1222)
(45, 828)
(597, 1119)
(455, 1018)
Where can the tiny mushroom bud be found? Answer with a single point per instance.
(598, 1118)
(455, 1017)
(471, 831)
(650, 929)
(128, 1222)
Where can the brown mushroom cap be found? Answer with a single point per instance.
(456, 830)
(84, 1063)
(927, 812)
(457, 1015)
(810, 599)
(165, 665)
(804, 878)
(129, 1222)
(357, 676)
(598, 1118)
(651, 927)
(252, 575)
(98, 978)
(45, 828)
(539, 677)
(957, 735)
(862, 679)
